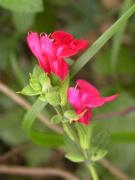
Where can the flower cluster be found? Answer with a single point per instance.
(84, 97)
(51, 51)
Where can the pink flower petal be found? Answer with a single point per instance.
(79, 44)
(66, 45)
(110, 98)
(34, 44)
(63, 69)
(66, 51)
(85, 119)
(59, 67)
(46, 45)
(61, 37)
(74, 98)
(87, 87)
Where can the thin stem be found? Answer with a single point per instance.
(19, 170)
(93, 172)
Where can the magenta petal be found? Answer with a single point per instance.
(87, 87)
(34, 44)
(61, 37)
(109, 98)
(74, 98)
(43, 62)
(66, 45)
(59, 67)
(46, 45)
(93, 102)
(63, 69)
(66, 51)
(79, 44)
(85, 119)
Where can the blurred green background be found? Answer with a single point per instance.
(84, 19)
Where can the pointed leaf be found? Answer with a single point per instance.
(30, 116)
(98, 154)
(29, 91)
(53, 98)
(75, 157)
(83, 135)
(56, 119)
(47, 139)
(63, 91)
(71, 114)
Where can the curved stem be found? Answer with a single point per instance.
(93, 172)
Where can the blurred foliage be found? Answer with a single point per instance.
(83, 18)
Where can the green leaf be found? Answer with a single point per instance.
(23, 21)
(47, 139)
(98, 154)
(53, 98)
(69, 131)
(28, 90)
(31, 6)
(75, 157)
(71, 114)
(84, 135)
(92, 50)
(56, 119)
(63, 91)
(35, 84)
(42, 97)
(30, 116)
(45, 82)
(37, 71)
(55, 79)
(10, 128)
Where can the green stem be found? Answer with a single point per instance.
(93, 172)
(92, 50)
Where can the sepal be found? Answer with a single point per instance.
(98, 154)
(75, 157)
(56, 119)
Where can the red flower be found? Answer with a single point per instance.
(84, 97)
(50, 50)
(43, 49)
(66, 45)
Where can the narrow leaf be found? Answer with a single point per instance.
(30, 116)
(90, 52)
(47, 139)
(63, 91)
(75, 157)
